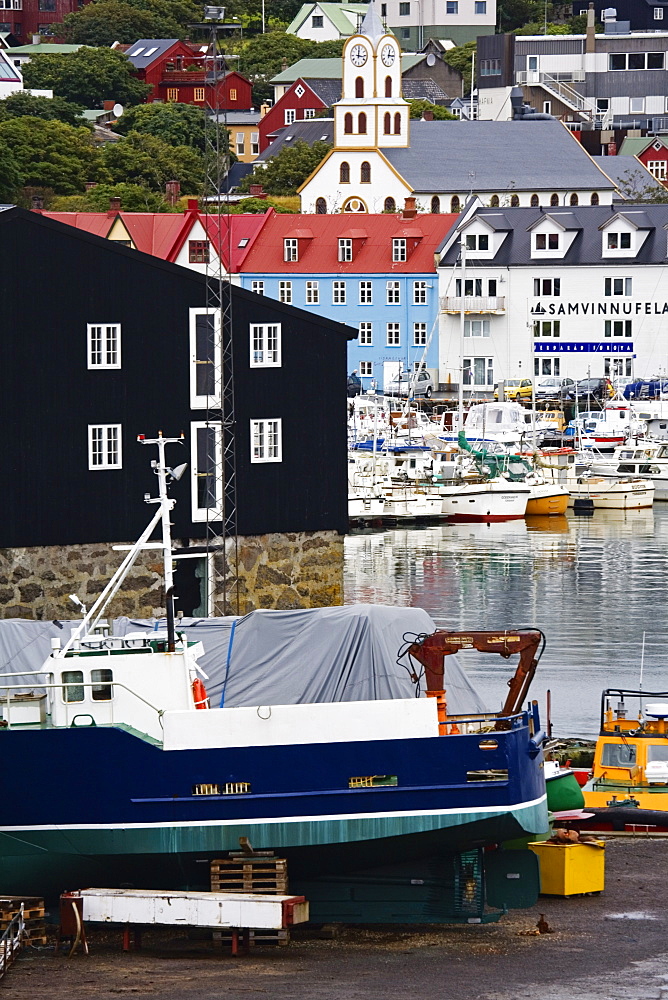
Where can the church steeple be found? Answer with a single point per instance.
(372, 26)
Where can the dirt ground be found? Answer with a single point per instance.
(608, 947)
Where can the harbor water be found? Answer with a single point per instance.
(594, 585)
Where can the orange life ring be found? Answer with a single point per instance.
(199, 694)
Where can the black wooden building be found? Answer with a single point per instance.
(102, 343)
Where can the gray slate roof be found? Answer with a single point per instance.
(585, 249)
(419, 90)
(629, 172)
(495, 157)
(156, 46)
(311, 131)
(329, 91)
(239, 117)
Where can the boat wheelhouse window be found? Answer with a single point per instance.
(102, 684)
(73, 689)
(625, 467)
(618, 755)
(663, 452)
(657, 752)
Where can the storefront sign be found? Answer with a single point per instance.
(604, 347)
(611, 308)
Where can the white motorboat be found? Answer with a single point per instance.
(493, 500)
(607, 428)
(629, 493)
(648, 459)
(508, 424)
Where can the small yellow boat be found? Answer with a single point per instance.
(547, 499)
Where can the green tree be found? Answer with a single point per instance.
(286, 171)
(635, 186)
(263, 57)
(11, 178)
(51, 154)
(134, 198)
(105, 21)
(257, 206)
(87, 77)
(151, 162)
(461, 58)
(25, 105)
(417, 109)
(177, 124)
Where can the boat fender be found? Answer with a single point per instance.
(199, 694)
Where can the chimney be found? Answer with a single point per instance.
(90, 185)
(36, 39)
(114, 206)
(590, 45)
(192, 204)
(263, 109)
(612, 149)
(427, 115)
(37, 202)
(256, 191)
(172, 192)
(410, 211)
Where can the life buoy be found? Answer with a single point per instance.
(199, 694)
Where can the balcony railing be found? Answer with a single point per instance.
(184, 76)
(474, 303)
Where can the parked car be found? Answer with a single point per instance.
(410, 384)
(515, 388)
(590, 388)
(354, 384)
(552, 387)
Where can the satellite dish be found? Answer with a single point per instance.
(117, 110)
(431, 59)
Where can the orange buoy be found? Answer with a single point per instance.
(199, 694)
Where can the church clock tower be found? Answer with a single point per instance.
(371, 113)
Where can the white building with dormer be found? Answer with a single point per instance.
(380, 156)
(574, 292)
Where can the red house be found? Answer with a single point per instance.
(652, 151)
(178, 72)
(301, 100)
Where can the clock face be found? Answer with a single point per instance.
(387, 55)
(358, 55)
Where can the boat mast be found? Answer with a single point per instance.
(462, 313)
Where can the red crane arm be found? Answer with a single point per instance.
(431, 650)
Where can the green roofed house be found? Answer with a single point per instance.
(324, 22)
(22, 54)
(651, 151)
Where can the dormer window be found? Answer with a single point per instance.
(477, 241)
(619, 241)
(290, 250)
(398, 250)
(547, 241)
(345, 250)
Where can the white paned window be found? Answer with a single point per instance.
(345, 250)
(546, 366)
(393, 334)
(476, 241)
(104, 345)
(547, 241)
(339, 293)
(266, 441)
(290, 115)
(619, 241)
(618, 328)
(285, 292)
(104, 446)
(419, 293)
(398, 250)
(478, 371)
(637, 105)
(393, 293)
(476, 328)
(265, 345)
(204, 358)
(205, 465)
(366, 293)
(546, 286)
(312, 293)
(366, 334)
(241, 143)
(618, 286)
(309, 113)
(366, 368)
(658, 13)
(257, 287)
(419, 334)
(255, 143)
(547, 328)
(658, 169)
(290, 250)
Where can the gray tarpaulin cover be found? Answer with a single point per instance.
(280, 657)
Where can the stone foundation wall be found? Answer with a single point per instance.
(297, 570)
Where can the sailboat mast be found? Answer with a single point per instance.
(462, 314)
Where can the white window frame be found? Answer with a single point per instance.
(393, 293)
(399, 250)
(452, 7)
(312, 293)
(392, 331)
(285, 292)
(107, 430)
(290, 116)
(309, 113)
(419, 334)
(365, 338)
(658, 13)
(366, 369)
(197, 400)
(419, 293)
(637, 105)
(477, 328)
(240, 143)
(547, 328)
(264, 426)
(257, 286)
(290, 250)
(265, 345)
(109, 343)
(610, 283)
(658, 169)
(338, 293)
(366, 293)
(345, 249)
(480, 7)
(255, 143)
(214, 512)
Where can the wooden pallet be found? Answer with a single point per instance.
(279, 937)
(33, 915)
(245, 873)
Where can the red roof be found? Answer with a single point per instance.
(98, 223)
(374, 255)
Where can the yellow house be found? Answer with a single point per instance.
(244, 133)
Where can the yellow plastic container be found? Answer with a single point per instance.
(570, 869)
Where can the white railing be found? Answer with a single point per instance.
(473, 303)
(530, 77)
(11, 941)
